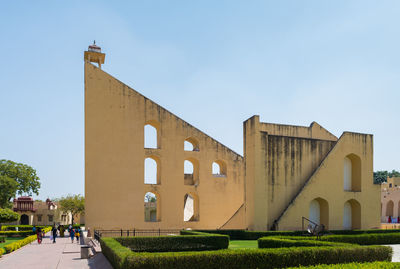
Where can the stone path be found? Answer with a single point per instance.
(61, 255)
(396, 253)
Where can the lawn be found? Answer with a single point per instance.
(10, 240)
(236, 244)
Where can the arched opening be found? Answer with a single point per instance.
(190, 207)
(151, 137)
(151, 170)
(352, 173)
(191, 172)
(389, 208)
(151, 204)
(219, 168)
(24, 219)
(351, 215)
(191, 144)
(319, 212)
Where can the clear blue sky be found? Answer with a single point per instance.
(212, 63)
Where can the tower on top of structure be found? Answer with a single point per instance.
(94, 55)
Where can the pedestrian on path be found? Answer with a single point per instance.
(54, 231)
(77, 234)
(39, 235)
(72, 234)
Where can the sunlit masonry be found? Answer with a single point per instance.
(186, 179)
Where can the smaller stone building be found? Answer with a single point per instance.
(390, 200)
(39, 212)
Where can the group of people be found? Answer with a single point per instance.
(73, 233)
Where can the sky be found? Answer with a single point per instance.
(212, 63)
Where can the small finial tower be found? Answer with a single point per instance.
(94, 55)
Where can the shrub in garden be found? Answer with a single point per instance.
(2, 239)
(121, 257)
(277, 242)
(20, 243)
(198, 242)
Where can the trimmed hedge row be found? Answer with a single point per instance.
(20, 243)
(2, 239)
(276, 242)
(197, 242)
(20, 227)
(254, 235)
(378, 265)
(359, 239)
(122, 257)
(16, 233)
(365, 239)
(251, 235)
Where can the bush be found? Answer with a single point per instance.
(2, 251)
(20, 243)
(20, 227)
(378, 265)
(276, 242)
(365, 239)
(2, 239)
(254, 235)
(200, 241)
(16, 233)
(121, 257)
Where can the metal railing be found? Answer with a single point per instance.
(134, 232)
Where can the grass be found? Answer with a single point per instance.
(242, 244)
(10, 240)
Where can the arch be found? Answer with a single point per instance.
(319, 211)
(151, 207)
(191, 171)
(191, 144)
(151, 134)
(351, 215)
(152, 170)
(398, 209)
(352, 173)
(389, 208)
(219, 168)
(24, 219)
(190, 207)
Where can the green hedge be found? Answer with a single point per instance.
(2, 239)
(175, 243)
(378, 265)
(16, 233)
(276, 242)
(20, 243)
(365, 239)
(2, 250)
(254, 235)
(20, 227)
(122, 257)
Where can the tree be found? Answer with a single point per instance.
(24, 175)
(8, 188)
(7, 215)
(74, 204)
(381, 176)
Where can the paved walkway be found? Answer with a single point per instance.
(61, 255)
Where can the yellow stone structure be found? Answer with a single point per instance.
(288, 174)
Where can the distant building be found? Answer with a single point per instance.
(390, 200)
(39, 212)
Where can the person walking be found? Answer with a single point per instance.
(54, 231)
(77, 234)
(72, 234)
(39, 235)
